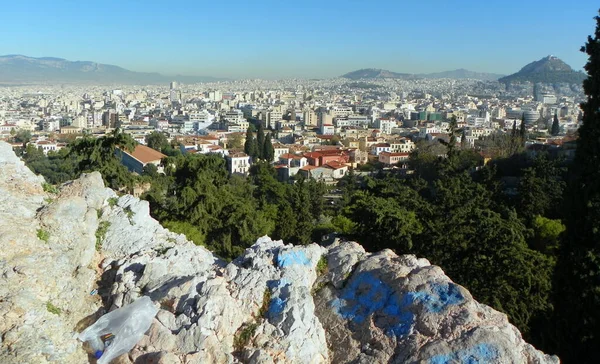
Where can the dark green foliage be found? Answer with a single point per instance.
(578, 279)
(541, 189)
(157, 141)
(22, 136)
(244, 335)
(56, 167)
(260, 141)
(102, 154)
(268, 151)
(250, 145)
(555, 126)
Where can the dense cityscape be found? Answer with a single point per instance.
(355, 122)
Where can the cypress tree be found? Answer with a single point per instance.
(523, 130)
(555, 127)
(268, 151)
(514, 129)
(578, 270)
(250, 144)
(260, 141)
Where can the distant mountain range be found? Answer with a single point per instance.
(23, 69)
(549, 69)
(373, 73)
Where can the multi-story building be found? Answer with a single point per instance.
(238, 163)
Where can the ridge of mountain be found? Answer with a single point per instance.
(461, 73)
(18, 68)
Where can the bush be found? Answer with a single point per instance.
(244, 335)
(262, 312)
(112, 201)
(322, 266)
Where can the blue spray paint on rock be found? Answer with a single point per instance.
(276, 306)
(366, 294)
(441, 297)
(478, 354)
(291, 257)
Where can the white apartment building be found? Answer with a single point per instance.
(238, 163)
(385, 125)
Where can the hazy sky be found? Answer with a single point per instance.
(285, 38)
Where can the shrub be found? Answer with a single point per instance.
(322, 266)
(101, 232)
(262, 312)
(112, 201)
(49, 188)
(244, 335)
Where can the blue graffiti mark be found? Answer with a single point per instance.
(442, 295)
(276, 306)
(479, 354)
(366, 294)
(285, 259)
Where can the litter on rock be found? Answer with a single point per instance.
(118, 331)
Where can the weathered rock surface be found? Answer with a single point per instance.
(276, 303)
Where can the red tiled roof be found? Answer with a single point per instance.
(146, 154)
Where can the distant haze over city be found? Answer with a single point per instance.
(275, 40)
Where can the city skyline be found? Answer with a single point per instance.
(309, 40)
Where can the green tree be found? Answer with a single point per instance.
(541, 189)
(555, 126)
(463, 140)
(523, 130)
(157, 141)
(547, 234)
(23, 136)
(260, 141)
(268, 151)
(578, 294)
(250, 146)
(103, 155)
(234, 140)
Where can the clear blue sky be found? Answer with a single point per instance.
(283, 38)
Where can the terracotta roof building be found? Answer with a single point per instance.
(140, 157)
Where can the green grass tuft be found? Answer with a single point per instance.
(43, 235)
(52, 309)
(100, 233)
(50, 188)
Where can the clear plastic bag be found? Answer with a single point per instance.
(128, 324)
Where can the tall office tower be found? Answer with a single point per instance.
(173, 85)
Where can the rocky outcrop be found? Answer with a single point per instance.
(276, 303)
